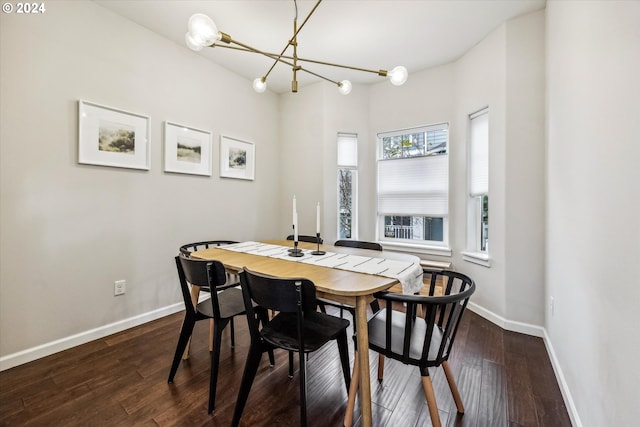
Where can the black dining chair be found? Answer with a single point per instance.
(322, 302)
(423, 341)
(186, 250)
(225, 303)
(374, 246)
(305, 238)
(297, 327)
(197, 246)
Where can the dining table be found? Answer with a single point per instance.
(336, 284)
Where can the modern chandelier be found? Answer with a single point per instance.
(203, 32)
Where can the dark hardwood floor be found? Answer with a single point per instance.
(505, 379)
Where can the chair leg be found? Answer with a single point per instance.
(215, 362)
(183, 340)
(380, 367)
(211, 328)
(272, 359)
(427, 386)
(291, 364)
(452, 385)
(233, 333)
(303, 388)
(250, 369)
(353, 390)
(343, 349)
(263, 317)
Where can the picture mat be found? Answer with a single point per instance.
(175, 134)
(231, 150)
(91, 117)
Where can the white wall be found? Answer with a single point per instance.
(480, 81)
(593, 204)
(524, 179)
(301, 150)
(69, 230)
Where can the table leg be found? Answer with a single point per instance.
(363, 359)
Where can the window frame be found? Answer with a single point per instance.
(432, 247)
(475, 193)
(353, 167)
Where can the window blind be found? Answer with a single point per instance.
(479, 153)
(347, 149)
(414, 186)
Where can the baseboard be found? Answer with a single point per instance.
(30, 354)
(509, 325)
(564, 387)
(537, 331)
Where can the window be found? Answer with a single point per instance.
(478, 203)
(347, 185)
(413, 186)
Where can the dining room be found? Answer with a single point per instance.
(75, 232)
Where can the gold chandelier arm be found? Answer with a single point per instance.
(278, 58)
(382, 73)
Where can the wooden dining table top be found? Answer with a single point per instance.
(329, 281)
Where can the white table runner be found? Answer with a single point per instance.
(408, 273)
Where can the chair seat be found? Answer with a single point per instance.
(230, 301)
(378, 336)
(319, 328)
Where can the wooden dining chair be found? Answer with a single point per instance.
(423, 341)
(297, 327)
(225, 303)
(322, 302)
(186, 250)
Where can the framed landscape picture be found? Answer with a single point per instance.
(112, 137)
(186, 150)
(237, 158)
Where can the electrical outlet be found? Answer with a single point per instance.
(119, 287)
(551, 305)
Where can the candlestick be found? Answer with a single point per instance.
(318, 251)
(295, 252)
(318, 218)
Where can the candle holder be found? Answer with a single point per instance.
(318, 251)
(295, 252)
(295, 248)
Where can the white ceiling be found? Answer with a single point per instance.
(369, 34)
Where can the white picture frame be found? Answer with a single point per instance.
(237, 158)
(111, 137)
(187, 150)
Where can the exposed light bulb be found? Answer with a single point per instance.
(191, 43)
(398, 76)
(345, 87)
(203, 31)
(260, 85)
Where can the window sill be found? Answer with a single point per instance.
(419, 249)
(480, 258)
